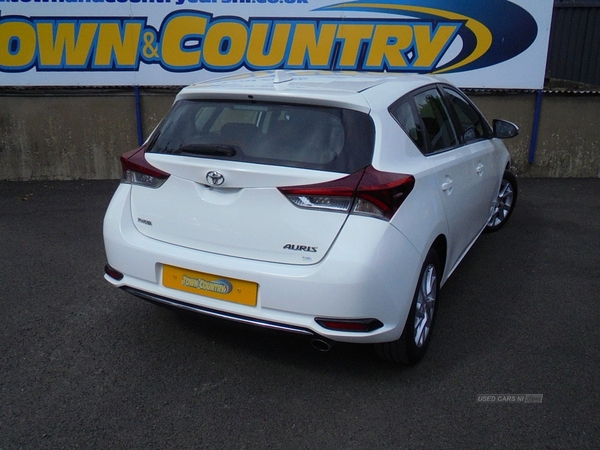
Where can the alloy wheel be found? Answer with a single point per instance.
(504, 204)
(425, 305)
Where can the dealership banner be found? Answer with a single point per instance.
(473, 43)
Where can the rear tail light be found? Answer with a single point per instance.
(136, 170)
(366, 192)
(356, 325)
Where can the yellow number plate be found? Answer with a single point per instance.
(213, 286)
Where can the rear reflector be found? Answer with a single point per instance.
(367, 192)
(113, 273)
(356, 325)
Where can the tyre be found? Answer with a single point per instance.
(505, 203)
(415, 338)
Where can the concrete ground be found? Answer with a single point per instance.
(83, 365)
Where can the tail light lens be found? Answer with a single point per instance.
(356, 325)
(136, 170)
(366, 192)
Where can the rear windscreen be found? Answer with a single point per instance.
(314, 137)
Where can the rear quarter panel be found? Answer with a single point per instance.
(421, 218)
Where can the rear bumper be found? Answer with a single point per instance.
(370, 272)
(164, 301)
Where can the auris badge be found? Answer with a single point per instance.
(215, 178)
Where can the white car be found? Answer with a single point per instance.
(324, 203)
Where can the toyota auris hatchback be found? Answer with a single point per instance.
(328, 204)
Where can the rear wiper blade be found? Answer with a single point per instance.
(207, 149)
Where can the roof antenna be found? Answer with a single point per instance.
(281, 76)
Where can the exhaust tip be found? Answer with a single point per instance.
(321, 345)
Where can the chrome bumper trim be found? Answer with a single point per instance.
(211, 312)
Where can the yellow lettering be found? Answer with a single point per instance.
(306, 46)
(429, 49)
(64, 47)
(225, 44)
(17, 44)
(124, 48)
(258, 41)
(190, 40)
(176, 32)
(389, 41)
(353, 35)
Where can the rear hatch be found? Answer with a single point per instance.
(226, 161)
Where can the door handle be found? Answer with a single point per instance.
(480, 168)
(448, 184)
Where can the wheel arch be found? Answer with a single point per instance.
(440, 245)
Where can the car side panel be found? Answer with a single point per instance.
(464, 195)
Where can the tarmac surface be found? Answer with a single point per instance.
(83, 365)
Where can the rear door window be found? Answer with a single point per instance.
(406, 116)
(315, 137)
(438, 129)
(473, 126)
(425, 118)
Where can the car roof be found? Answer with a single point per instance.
(346, 89)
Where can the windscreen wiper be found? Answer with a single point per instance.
(207, 149)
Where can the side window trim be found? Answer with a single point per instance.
(441, 88)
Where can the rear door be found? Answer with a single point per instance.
(227, 159)
(427, 119)
(475, 132)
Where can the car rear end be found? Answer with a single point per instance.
(264, 207)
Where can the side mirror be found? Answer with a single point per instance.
(504, 129)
